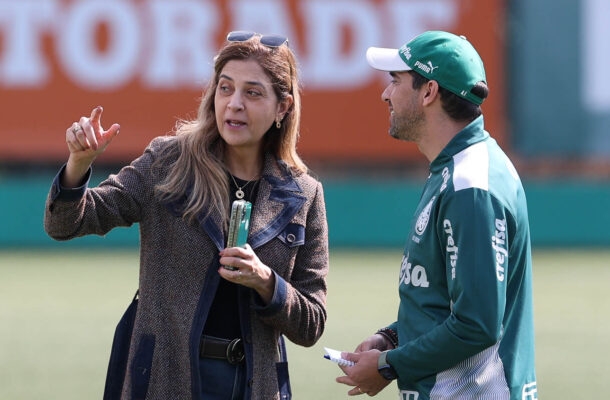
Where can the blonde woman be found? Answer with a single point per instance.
(203, 331)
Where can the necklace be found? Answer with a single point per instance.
(239, 193)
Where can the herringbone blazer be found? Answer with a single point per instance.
(179, 272)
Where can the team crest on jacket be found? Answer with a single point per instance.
(424, 217)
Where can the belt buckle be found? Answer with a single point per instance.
(235, 351)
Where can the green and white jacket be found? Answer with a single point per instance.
(465, 322)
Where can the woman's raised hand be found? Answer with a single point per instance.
(87, 135)
(86, 140)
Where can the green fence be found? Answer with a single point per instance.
(361, 213)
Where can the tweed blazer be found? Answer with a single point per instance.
(179, 276)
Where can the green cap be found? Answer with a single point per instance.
(443, 57)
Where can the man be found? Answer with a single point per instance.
(465, 321)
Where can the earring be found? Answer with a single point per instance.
(278, 124)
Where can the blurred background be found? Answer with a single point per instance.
(147, 61)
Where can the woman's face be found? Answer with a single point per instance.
(246, 104)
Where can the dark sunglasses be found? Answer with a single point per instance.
(267, 40)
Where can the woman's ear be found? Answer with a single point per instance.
(284, 106)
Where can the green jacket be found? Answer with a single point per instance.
(465, 321)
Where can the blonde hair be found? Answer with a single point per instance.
(196, 169)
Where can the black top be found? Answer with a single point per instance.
(223, 320)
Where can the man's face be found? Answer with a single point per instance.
(406, 113)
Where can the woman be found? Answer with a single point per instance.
(203, 331)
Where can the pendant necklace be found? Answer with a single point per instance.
(239, 193)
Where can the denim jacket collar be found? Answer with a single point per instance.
(279, 199)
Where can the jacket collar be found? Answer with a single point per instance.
(471, 134)
(279, 199)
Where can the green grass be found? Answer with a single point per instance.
(58, 311)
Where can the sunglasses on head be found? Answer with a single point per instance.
(267, 40)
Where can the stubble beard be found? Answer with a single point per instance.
(407, 128)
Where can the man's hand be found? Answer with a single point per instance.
(376, 341)
(363, 376)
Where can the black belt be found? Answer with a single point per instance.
(231, 351)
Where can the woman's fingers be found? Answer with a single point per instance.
(88, 133)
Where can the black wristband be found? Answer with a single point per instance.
(389, 334)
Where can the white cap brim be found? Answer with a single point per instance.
(385, 59)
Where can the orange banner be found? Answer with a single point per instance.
(146, 62)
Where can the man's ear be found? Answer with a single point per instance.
(430, 90)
